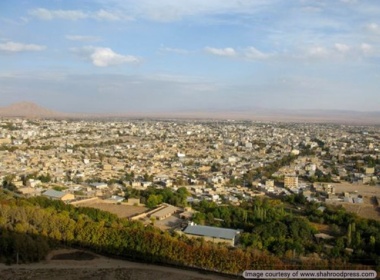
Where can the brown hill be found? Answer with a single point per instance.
(29, 110)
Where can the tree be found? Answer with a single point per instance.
(153, 200)
(182, 193)
(44, 178)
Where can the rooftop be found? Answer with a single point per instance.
(216, 232)
(54, 193)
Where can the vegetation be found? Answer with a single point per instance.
(269, 169)
(319, 176)
(287, 229)
(29, 228)
(361, 235)
(266, 225)
(153, 196)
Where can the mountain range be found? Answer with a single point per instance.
(32, 110)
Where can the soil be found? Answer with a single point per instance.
(71, 264)
(366, 209)
(75, 256)
(122, 211)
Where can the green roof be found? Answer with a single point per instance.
(54, 193)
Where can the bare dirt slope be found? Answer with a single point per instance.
(74, 264)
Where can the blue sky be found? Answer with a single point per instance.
(160, 55)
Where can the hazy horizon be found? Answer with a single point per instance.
(122, 55)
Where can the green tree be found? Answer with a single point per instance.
(153, 200)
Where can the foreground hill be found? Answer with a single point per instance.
(31, 228)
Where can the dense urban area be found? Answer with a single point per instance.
(218, 195)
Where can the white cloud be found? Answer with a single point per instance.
(172, 10)
(45, 14)
(249, 53)
(174, 50)
(367, 49)
(253, 53)
(221, 52)
(339, 51)
(102, 14)
(342, 48)
(103, 57)
(318, 52)
(20, 47)
(82, 38)
(373, 27)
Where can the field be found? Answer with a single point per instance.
(364, 190)
(365, 209)
(169, 223)
(121, 210)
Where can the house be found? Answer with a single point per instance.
(99, 186)
(214, 234)
(33, 183)
(58, 195)
(291, 181)
(29, 191)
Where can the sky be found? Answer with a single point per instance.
(104, 56)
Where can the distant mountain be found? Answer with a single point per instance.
(285, 115)
(28, 110)
(32, 110)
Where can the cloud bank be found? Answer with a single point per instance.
(20, 47)
(102, 15)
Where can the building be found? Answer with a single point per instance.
(164, 212)
(269, 183)
(33, 183)
(214, 234)
(99, 186)
(369, 170)
(291, 181)
(29, 191)
(5, 141)
(57, 195)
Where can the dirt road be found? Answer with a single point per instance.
(69, 264)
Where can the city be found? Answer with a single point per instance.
(189, 139)
(233, 160)
(216, 160)
(118, 166)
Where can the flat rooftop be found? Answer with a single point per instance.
(215, 232)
